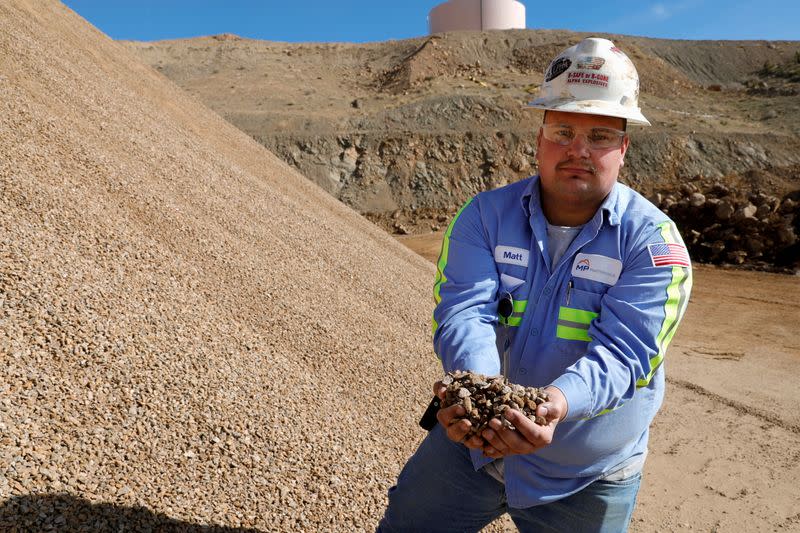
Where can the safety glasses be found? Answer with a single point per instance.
(596, 138)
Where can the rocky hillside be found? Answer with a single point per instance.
(405, 131)
(192, 335)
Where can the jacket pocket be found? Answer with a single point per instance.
(576, 314)
(517, 288)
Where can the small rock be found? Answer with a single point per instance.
(746, 213)
(724, 210)
(697, 199)
(786, 235)
(737, 257)
(763, 210)
(656, 198)
(49, 474)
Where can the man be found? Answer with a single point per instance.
(598, 279)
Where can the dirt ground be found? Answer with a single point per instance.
(725, 448)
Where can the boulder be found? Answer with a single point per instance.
(724, 210)
(697, 199)
(737, 257)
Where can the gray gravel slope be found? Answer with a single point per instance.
(188, 327)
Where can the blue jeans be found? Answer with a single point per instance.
(439, 490)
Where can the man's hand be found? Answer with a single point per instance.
(528, 437)
(455, 426)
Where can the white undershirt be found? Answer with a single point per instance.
(558, 240)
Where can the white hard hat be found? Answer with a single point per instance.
(593, 77)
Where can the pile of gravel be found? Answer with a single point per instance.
(191, 333)
(732, 225)
(484, 398)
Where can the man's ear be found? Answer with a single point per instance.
(538, 141)
(624, 148)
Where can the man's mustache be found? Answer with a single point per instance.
(583, 165)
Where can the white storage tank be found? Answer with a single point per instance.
(476, 15)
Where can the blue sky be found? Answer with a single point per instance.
(380, 20)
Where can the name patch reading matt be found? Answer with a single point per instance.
(511, 255)
(597, 268)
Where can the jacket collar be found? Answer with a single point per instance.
(531, 201)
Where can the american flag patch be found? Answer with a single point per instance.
(589, 62)
(668, 254)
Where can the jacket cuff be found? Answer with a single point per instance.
(578, 395)
(487, 363)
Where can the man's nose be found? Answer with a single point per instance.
(579, 146)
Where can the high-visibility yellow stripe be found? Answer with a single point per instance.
(442, 262)
(512, 321)
(576, 315)
(516, 318)
(677, 298)
(572, 334)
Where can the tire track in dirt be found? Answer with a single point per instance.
(791, 305)
(765, 301)
(738, 406)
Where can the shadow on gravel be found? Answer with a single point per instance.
(61, 512)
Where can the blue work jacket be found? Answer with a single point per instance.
(596, 326)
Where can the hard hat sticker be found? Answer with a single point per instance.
(588, 78)
(618, 51)
(589, 62)
(557, 68)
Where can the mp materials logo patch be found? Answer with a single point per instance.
(597, 268)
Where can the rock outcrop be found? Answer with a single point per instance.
(405, 131)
